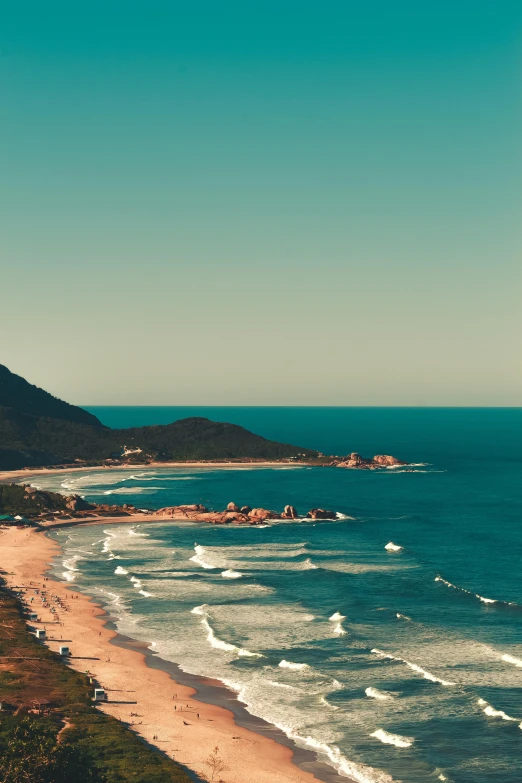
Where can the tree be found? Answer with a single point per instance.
(32, 754)
(215, 764)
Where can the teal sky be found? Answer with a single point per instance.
(262, 203)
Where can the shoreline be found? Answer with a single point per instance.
(12, 474)
(157, 684)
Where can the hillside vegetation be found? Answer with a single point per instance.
(22, 396)
(37, 430)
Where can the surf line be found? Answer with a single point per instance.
(413, 666)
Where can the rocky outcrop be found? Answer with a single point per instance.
(76, 503)
(260, 514)
(355, 460)
(233, 515)
(181, 512)
(321, 513)
(386, 460)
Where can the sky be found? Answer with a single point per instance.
(241, 203)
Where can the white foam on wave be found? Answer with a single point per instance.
(491, 712)
(413, 666)
(248, 654)
(392, 739)
(357, 772)
(131, 490)
(338, 629)
(180, 478)
(121, 571)
(403, 617)
(511, 659)
(219, 644)
(364, 568)
(199, 559)
(215, 641)
(231, 574)
(106, 548)
(281, 685)
(70, 568)
(475, 595)
(375, 693)
(293, 666)
(391, 547)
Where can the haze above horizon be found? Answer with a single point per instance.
(276, 205)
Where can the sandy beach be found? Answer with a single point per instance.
(165, 713)
(14, 476)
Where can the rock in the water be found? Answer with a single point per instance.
(321, 513)
(290, 512)
(262, 513)
(233, 507)
(245, 510)
(386, 459)
(355, 460)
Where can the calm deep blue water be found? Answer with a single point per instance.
(401, 665)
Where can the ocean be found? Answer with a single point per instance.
(389, 640)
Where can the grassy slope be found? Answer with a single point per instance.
(97, 749)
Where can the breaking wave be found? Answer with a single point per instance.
(131, 490)
(293, 666)
(230, 574)
(375, 693)
(338, 618)
(474, 595)
(121, 571)
(392, 739)
(357, 772)
(215, 641)
(199, 559)
(511, 659)
(413, 666)
(70, 568)
(491, 712)
(391, 547)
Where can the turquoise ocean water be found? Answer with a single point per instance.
(393, 664)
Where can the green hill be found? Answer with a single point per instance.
(29, 439)
(21, 396)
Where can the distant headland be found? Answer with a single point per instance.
(38, 430)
